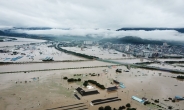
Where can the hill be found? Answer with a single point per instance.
(138, 40)
(181, 30)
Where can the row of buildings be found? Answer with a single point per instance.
(148, 50)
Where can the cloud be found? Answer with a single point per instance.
(83, 16)
(104, 14)
(154, 35)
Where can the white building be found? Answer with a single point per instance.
(88, 42)
(146, 53)
(127, 47)
(165, 44)
(148, 45)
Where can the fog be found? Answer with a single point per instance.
(155, 35)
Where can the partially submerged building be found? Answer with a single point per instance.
(179, 98)
(115, 81)
(138, 99)
(109, 89)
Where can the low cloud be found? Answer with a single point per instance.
(154, 35)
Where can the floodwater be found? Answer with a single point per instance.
(51, 90)
(55, 65)
(20, 41)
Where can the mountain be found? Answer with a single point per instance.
(32, 28)
(138, 40)
(181, 30)
(1, 32)
(11, 33)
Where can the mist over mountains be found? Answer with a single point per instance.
(181, 30)
(123, 35)
(138, 40)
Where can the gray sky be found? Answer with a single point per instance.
(104, 14)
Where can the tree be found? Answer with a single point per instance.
(79, 79)
(100, 108)
(107, 108)
(170, 107)
(128, 105)
(85, 83)
(173, 100)
(120, 108)
(156, 101)
(65, 78)
(146, 102)
(123, 107)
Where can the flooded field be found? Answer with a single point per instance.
(131, 61)
(57, 65)
(34, 53)
(99, 52)
(168, 66)
(42, 90)
(20, 41)
(50, 90)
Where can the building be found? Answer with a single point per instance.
(138, 99)
(109, 89)
(115, 81)
(165, 44)
(127, 48)
(146, 53)
(148, 46)
(179, 98)
(88, 42)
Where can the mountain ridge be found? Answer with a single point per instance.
(181, 30)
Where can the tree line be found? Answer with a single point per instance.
(78, 54)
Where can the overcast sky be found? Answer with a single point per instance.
(83, 16)
(111, 14)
